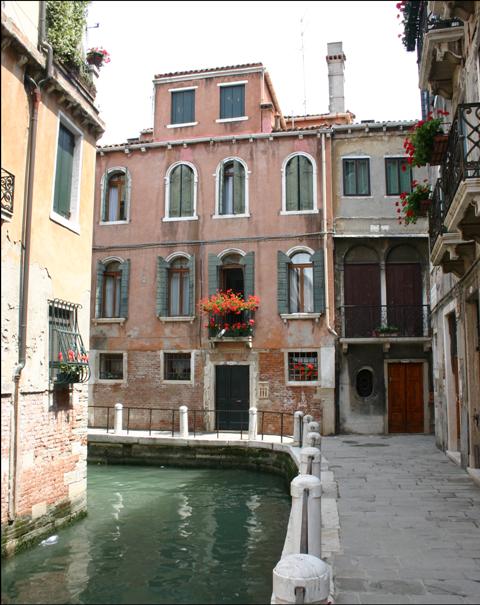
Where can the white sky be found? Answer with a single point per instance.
(147, 38)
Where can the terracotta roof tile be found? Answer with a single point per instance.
(207, 70)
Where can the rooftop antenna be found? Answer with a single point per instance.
(302, 31)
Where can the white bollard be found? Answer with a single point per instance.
(293, 543)
(118, 421)
(306, 420)
(313, 427)
(252, 424)
(314, 440)
(310, 457)
(297, 427)
(301, 579)
(183, 421)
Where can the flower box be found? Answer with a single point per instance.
(440, 143)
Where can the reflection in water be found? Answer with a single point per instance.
(159, 535)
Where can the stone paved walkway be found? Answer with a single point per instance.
(409, 522)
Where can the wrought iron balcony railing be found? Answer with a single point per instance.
(427, 22)
(8, 188)
(437, 213)
(394, 321)
(231, 325)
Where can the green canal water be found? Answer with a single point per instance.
(160, 535)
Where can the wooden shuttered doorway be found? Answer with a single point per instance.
(362, 299)
(405, 398)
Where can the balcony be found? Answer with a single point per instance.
(231, 327)
(8, 188)
(455, 211)
(384, 324)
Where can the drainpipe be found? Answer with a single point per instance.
(33, 90)
(326, 234)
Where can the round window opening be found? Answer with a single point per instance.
(365, 383)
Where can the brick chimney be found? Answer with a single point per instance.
(336, 67)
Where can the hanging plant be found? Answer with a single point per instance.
(419, 145)
(414, 204)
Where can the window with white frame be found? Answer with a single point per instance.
(302, 366)
(110, 366)
(300, 279)
(177, 366)
(231, 188)
(179, 287)
(356, 177)
(299, 184)
(181, 183)
(115, 195)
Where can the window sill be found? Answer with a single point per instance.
(109, 320)
(61, 220)
(355, 197)
(289, 316)
(183, 125)
(113, 222)
(304, 383)
(288, 212)
(179, 318)
(224, 120)
(109, 381)
(168, 219)
(215, 216)
(178, 382)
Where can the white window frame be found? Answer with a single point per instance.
(97, 364)
(178, 318)
(103, 194)
(167, 216)
(302, 383)
(216, 175)
(342, 181)
(192, 367)
(284, 210)
(397, 156)
(71, 223)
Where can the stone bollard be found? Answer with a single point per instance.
(306, 420)
(301, 579)
(118, 421)
(310, 457)
(252, 424)
(313, 427)
(312, 539)
(314, 440)
(183, 421)
(297, 428)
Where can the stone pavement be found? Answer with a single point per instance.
(409, 522)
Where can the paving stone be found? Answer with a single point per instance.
(382, 597)
(347, 597)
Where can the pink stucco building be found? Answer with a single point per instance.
(224, 193)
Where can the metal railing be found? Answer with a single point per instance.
(366, 321)
(231, 325)
(437, 213)
(167, 421)
(8, 190)
(427, 22)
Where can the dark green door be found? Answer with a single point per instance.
(232, 387)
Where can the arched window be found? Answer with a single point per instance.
(111, 299)
(299, 184)
(115, 193)
(231, 188)
(112, 278)
(301, 283)
(179, 288)
(181, 192)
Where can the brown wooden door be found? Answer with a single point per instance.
(404, 298)
(362, 299)
(405, 398)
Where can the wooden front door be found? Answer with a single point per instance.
(232, 397)
(405, 398)
(362, 299)
(404, 298)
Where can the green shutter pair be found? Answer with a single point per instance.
(283, 267)
(181, 191)
(238, 188)
(248, 262)
(299, 184)
(124, 287)
(162, 286)
(64, 172)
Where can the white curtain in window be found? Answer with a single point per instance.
(308, 290)
(113, 204)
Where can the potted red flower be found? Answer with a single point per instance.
(97, 56)
(414, 204)
(426, 142)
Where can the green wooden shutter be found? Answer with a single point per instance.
(64, 172)
(187, 186)
(248, 261)
(99, 290)
(124, 288)
(189, 106)
(238, 188)
(191, 284)
(213, 264)
(291, 184)
(238, 101)
(305, 183)
(162, 287)
(318, 281)
(175, 192)
(221, 176)
(283, 264)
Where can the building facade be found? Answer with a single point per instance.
(381, 285)
(49, 131)
(446, 36)
(224, 195)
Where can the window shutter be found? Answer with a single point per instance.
(238, 188)
(105, 192)
(124, 288)
(306, 183)
(63, 174)
(213, 263)
(189, 108)
(291, 184)
(99, 290)
(175, 191)
(162, 287)
(283, 264)
(187, 185)
(238, 101)
(191, 284)
(221, 176)
(248, 261)
(318, 282)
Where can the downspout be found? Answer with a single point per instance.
(326, 234)
(33, 90)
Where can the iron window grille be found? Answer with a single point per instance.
(177, 366)
(302, 366)
(8, 188)
(68, 356)
(111, 366)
